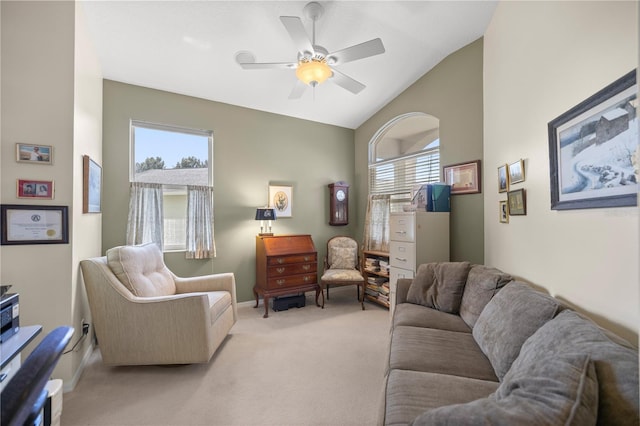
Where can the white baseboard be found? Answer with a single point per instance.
(70, 385)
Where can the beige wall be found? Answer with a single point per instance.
(540, 60)
(50, 95)
(451, 92)
(251, 149)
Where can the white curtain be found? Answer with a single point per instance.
(376, 231)
(200, 241)
(146, 222)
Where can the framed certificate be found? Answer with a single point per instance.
(31, 224)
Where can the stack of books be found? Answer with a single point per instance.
(372, 264)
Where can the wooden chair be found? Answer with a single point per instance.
(342, 266)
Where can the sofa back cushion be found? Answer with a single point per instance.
(508, 320)
(439, 285)
(482, 284)
(615, 361)
(141, 269)
(559, 390)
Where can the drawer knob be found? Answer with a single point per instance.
(280, 260)
(401, 259)
(306, 258)
(280, 282)
(306, 279)
(401, 232)
(280, 270)
(306, 267)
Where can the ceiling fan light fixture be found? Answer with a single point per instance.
(313, 72)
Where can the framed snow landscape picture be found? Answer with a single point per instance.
(593, 150)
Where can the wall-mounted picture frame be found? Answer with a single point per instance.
(39, 189)
(280, 199)
(92, 186)
(517, 202)
(503, 178)
(30, 224)
(593, 150)
(35, 154)
(516, 172)
(464, 178)
(503, 211)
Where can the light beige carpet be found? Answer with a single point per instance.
(306, 366)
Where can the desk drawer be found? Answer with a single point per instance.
(291, 269)
(294, 258)
(291, 281)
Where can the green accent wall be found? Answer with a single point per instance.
(251, 150)
(452, 92)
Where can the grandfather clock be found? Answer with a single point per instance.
(338, 203)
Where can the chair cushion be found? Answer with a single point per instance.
(141, 269)
(559, 390)
(483, 283)
(439, 285)
(508, 320)
(342, 275)
(342, 257)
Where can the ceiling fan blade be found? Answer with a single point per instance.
(294, 27)
(298, 90)
(265, 65)
(358, 51)
(346, 82)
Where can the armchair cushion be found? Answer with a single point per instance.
(141, 269)
(342, 275)
(342, 253)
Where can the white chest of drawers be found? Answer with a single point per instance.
(416, 238)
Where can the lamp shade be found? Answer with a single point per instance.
(313, 72)
(265, 214)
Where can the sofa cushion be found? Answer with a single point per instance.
(482, 284)
(409, 393)
(438, 351)
(510, 318)
(615, 360)
(141, 269)
(559, 390)
(439, 285)
(421, 316)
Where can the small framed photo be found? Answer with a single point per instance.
(36, 154)
(516, 171)
(517, 202)
(504, 211)
(42, 189)
(29, 224)
(280, 199)
(464, 178)
(503, 178)
(92, 185)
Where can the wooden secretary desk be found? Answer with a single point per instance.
(285, 264)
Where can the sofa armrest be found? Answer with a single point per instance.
(402, 289)
(214, 282)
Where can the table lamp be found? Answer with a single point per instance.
(265, 214)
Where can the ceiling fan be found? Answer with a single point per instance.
(315, 63)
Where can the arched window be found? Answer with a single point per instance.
(404, 154)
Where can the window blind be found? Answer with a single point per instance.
(400, 175)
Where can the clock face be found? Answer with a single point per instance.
(340, 195)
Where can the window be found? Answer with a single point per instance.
(173, 157)
(406, 154)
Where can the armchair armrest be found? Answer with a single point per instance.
(402, 289)
(214, 282)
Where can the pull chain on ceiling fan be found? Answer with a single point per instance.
(315, 64)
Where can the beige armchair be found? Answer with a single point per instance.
(342, 266)
(143, 314)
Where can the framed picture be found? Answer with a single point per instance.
(503, 178)
(517, 202)
(42, 189)
(516, 171)
(37, 154)
(92, 185)
(29, 224)
(464, 178)
(280, 200)
(593, 150)
(503, 211)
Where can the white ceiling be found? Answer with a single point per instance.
(189, 47)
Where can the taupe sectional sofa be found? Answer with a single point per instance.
(471, 346)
